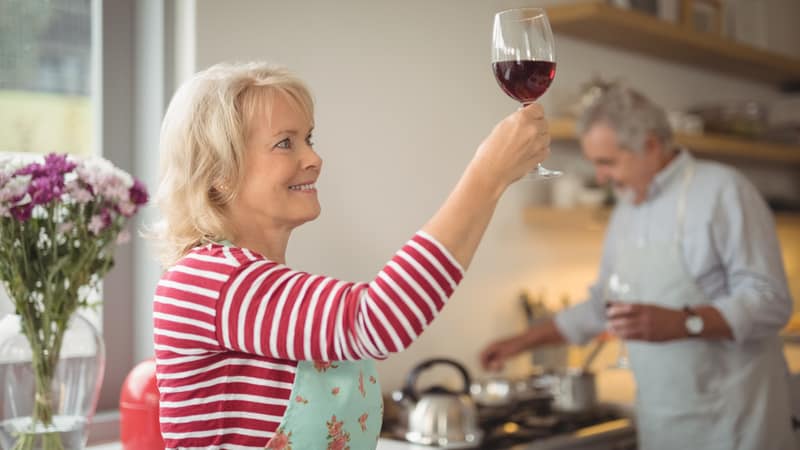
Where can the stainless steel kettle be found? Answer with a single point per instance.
(438, 416)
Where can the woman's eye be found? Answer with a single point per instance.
(310, 140)
(285, 144)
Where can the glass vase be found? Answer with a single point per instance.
(54, 417)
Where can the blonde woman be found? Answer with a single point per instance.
(250, 353)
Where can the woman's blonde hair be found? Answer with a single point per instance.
(202, 148)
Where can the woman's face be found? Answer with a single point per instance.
(278, 188)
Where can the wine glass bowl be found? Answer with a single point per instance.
(523, 58)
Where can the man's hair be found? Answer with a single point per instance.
(631, 115)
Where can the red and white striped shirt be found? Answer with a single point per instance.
(231, 325)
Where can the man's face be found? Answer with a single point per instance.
(628, 173)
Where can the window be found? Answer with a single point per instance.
(47, 89)
(46, 83)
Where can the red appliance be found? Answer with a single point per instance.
(138, 407)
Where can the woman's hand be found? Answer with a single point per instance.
(515, 146)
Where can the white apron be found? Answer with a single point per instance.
(695, 394)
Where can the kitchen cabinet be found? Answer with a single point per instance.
(601, 23)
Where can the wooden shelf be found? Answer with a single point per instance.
(712, 145)
(629, 30)
(571, 219)
(585, 218)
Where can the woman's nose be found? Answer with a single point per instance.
(312, 159)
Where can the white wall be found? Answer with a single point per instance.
(404, 96)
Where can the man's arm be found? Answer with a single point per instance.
(758, 303)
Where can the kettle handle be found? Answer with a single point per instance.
(409, 389)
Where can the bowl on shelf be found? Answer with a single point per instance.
(746, 118)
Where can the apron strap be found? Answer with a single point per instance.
(688, 174)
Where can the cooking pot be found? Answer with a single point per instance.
(439, 416)
(573, 390)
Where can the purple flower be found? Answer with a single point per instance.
(23, 212)
(45, 189)
(33, 169)
(47, 181)
(138, 193)
(58, 164)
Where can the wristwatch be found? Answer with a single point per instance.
(694, 323)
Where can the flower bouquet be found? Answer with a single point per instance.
(60, 219)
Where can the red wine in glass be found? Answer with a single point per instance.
(524, 81)
(523, 58)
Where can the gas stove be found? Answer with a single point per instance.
(603, 428)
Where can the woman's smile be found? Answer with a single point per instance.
(307, 188)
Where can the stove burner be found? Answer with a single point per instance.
(521, 426)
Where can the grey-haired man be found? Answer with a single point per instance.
(698, 244)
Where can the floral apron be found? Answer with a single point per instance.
(335, 405)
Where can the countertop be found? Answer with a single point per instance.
(383, 444)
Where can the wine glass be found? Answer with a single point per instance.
(523, 58)
(619, 290)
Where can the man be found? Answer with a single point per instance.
(698, 245)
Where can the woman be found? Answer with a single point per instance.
(251, 353)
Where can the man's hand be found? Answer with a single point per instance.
(635, 321)
(494, 356)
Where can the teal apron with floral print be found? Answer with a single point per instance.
(335, 405)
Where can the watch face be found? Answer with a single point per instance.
(694, 324)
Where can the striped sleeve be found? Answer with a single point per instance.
(185, 304)
(270, 310)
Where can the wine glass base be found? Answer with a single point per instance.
(542, 172)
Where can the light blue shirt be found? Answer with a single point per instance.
(729, 245)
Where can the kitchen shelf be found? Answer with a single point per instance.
(567, 219)
(713, 145)
(630, 30)
(586, 218)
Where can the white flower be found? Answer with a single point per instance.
(76, 192)
(39, 212)
(127, 208)
(96, 224)
(16, 187)
(124, 237)
(11, 163)
(65, 227)
(44, 242)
